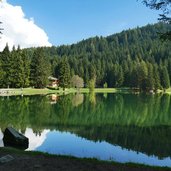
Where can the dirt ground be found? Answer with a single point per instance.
(40, 162)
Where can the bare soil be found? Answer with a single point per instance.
(41, 162)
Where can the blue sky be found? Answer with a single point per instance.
(70, 21)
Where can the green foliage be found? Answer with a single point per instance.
(131, 58)
(157, 84)
(64, 73)
(40, 69)
(122, 59)
(165, 81)
(77, 82)
(130, 119)
(91, 85)
(105, 85)
(150, 82)
(142, 73)
(5, 63)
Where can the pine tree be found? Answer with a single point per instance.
(169, 68)
(92, 72)
(157, 84)
(164, 77)
(5, 62)
(120, 77)
(86, 76)
(17, 80)
(64, 73)
(150, 78)
(142, 75)
(40, 69)
(26, 66)
(134, 81)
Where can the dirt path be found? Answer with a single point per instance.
(40, 162)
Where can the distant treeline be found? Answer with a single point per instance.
(134, 58)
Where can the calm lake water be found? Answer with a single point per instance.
(117, 127)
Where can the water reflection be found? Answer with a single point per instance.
(136, 123)
(35, 140)
(65, 143)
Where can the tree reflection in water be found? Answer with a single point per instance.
(137, 122)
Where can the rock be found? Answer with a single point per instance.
(6, 159)
(15, 139)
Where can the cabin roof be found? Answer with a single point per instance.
(52, 78)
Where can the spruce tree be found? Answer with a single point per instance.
(120, 77)
(169, 68)
(164, 77)
(150, 78)
(64, 73)
(26, 66)
(6, 62)
(142, 75)
(40, 69)
(157, 84)
(17, 77)
(86, 76)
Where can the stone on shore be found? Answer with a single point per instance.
(13, 138)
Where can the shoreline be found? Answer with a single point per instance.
(33, 91)
(58, 161)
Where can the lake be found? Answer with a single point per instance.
(116, 127)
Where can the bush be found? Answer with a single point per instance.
(105, 85)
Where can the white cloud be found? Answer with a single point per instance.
(18, 30)
(35, 140)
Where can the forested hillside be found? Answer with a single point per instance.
(134, 58)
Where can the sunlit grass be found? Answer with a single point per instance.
(33, 91)
(60, 91)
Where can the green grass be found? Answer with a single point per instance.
(99, 90)
(32, 91)
(168, 91)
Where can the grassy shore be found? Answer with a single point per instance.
(68, 163)
(168, 91)
(32, 91)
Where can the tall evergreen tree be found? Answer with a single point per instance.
(64, 73)
(26, 66)
(164, 77)
(150, 77)
(92, 72)
(5, 62)
(157, 84)
(40, 69)
(142, 75)
(169, 68)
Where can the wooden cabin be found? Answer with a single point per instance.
(53, 82)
